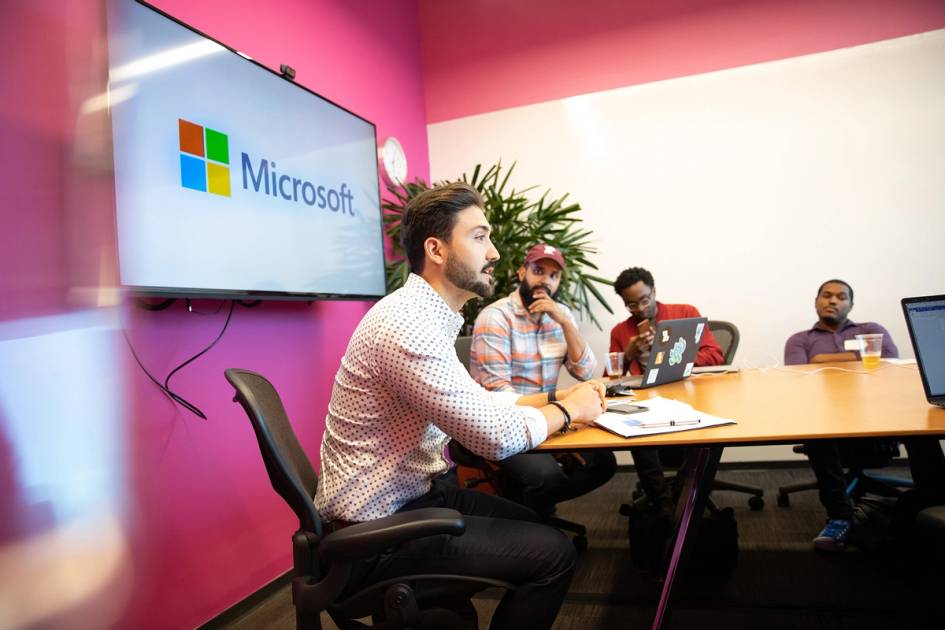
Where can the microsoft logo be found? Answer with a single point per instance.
(204, 159)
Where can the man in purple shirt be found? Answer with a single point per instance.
(823, 342)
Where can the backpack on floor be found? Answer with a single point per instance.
(714, 550)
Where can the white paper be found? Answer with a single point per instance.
(660, 413)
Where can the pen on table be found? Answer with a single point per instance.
(669, 423)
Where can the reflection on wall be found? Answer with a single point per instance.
(63, 541)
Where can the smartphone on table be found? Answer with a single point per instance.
(626, 408)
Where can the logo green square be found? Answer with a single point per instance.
(218, 146)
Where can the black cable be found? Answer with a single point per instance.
(167, 381)
(174, 397)
(166, 386)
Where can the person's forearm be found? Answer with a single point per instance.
(538, 400)
(553, 415)
(576, 343)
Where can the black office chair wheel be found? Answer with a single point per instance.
(580, 543)
(756, 503)
(784, 499)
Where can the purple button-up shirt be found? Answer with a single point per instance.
(802, 346)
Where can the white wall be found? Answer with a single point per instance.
(741, 190)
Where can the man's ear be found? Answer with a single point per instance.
(435, 250)
(521, 274)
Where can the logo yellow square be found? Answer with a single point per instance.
(218, 179)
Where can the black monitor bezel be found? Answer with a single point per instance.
(138, 291)
(935, 399)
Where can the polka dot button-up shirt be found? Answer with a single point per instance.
(398, 396)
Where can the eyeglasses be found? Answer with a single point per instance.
(642, 304)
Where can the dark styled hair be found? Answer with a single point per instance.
(837, 281)
(432, 213)
(629, 277)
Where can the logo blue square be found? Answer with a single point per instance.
(193, 173)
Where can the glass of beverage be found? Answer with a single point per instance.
(871, 349)
(614, 365)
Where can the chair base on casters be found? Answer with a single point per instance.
(860, 482)
(755, 502)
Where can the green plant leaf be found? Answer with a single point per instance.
(518, 222)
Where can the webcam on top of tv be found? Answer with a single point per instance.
(287, 71)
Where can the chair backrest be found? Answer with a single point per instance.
(290, 470)
(463, 349)
(726, 333)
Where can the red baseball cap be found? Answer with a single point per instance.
(542, 252)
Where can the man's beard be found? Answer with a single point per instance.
(467, 279)
(527, 292)
(833, 320)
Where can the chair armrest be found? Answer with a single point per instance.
(371, 537)
(932, 518)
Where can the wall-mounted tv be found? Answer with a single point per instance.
(231, 180)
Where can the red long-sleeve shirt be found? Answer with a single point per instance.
(710, 353)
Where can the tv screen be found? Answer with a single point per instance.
(231, 180)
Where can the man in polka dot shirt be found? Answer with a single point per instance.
(520, 344)
(401, 394)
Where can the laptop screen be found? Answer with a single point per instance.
(927, 325)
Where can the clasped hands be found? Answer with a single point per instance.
(584, 401)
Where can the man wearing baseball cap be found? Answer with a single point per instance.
(519, 344)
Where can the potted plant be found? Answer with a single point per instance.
(517, 223)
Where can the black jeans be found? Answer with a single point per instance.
(539, 481)
(926, 461)
(649, 466)
(503, 541)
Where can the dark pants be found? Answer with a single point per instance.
(649, 465)
(828, 457)
(539, 480)
(503, 541)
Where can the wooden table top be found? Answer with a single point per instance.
(787, 405)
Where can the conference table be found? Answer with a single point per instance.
(783, 405)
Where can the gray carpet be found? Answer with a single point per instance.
(780, 583)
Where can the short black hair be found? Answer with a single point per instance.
(629, 277)
(837, 281)
(432, 213)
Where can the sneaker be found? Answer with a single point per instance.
(834, 536)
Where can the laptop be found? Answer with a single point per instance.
(925, 318)
(673, 355)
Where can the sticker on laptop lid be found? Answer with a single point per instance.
(699, 328)
(659, 358)
(676, 354)
(651, 376)
(666, 334)
(688, 370)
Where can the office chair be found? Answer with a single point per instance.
(322, 561)
(463, 349)
(478, 473)
(859, 480)
(726, 333)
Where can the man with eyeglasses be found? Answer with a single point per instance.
(634, 337)
(520, 343)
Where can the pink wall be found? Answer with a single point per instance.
(203, 527)
(483, 55)
(216, 532)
